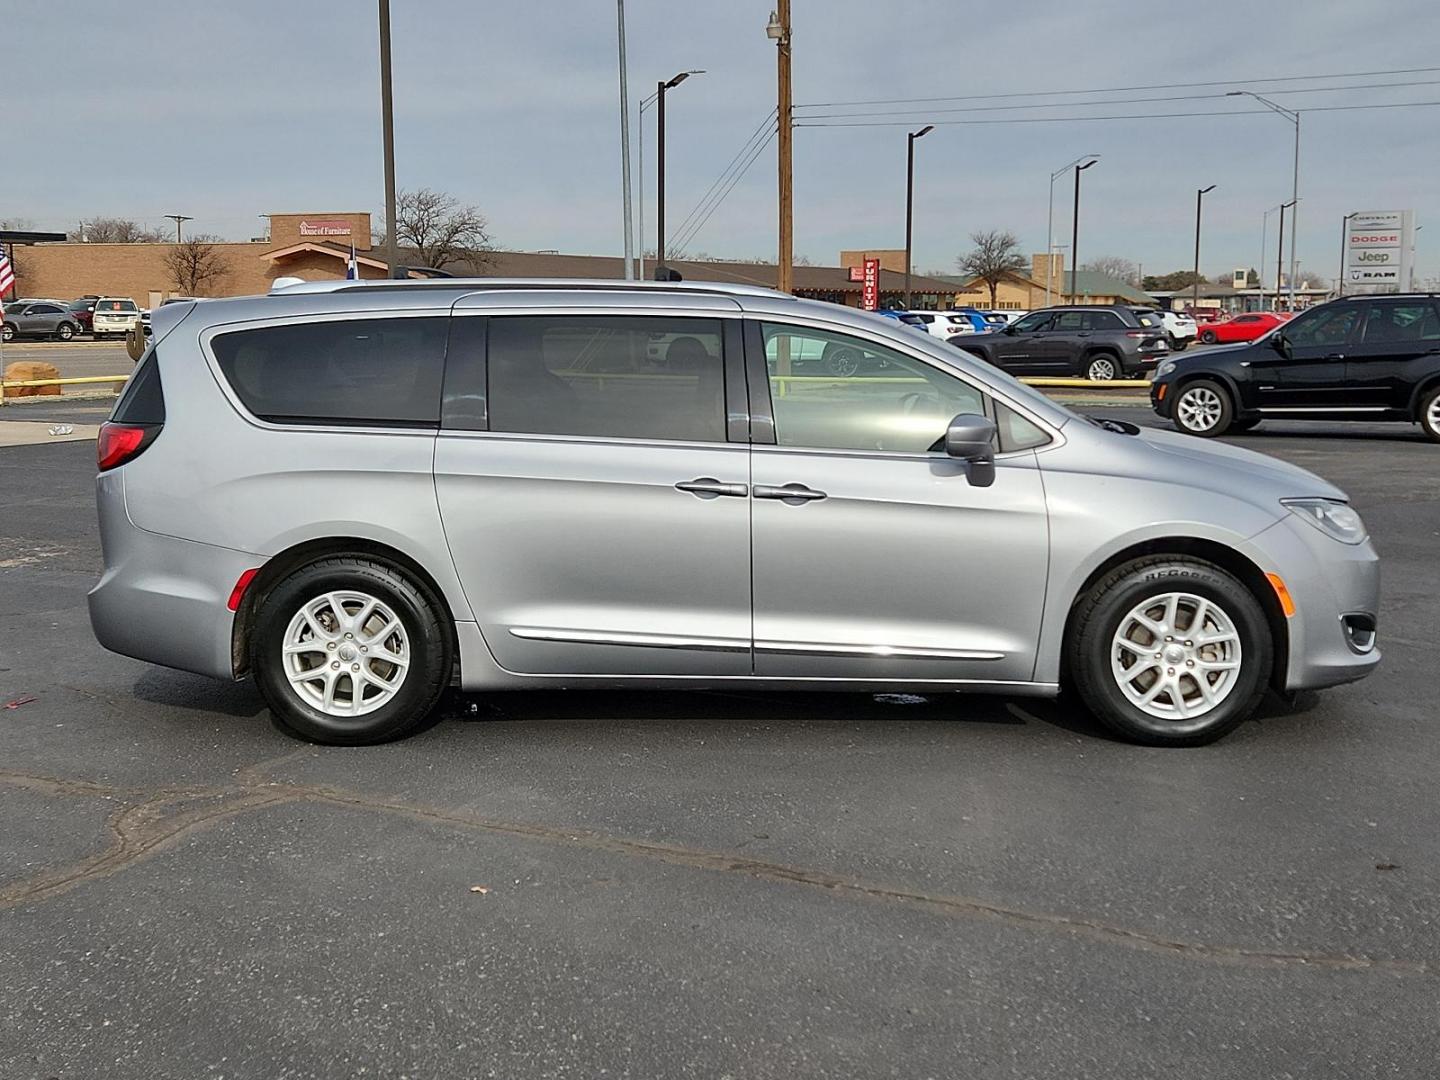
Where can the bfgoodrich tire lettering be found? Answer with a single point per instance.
(418, 649)
(1228, 645)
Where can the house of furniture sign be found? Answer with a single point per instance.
(1380, 249)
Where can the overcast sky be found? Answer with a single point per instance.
(228, 111)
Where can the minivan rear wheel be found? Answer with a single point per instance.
(350, 651)
(1170, 651)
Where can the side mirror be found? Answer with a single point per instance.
(1279, 344)
(1010, 329)
(971, 437)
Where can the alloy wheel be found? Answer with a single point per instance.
(1101, 369)
(1199, 409)
(1176, 656)
(346, 653)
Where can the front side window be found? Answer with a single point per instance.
(1400, 322)
(843, 393)
(1036, 321)
(1322, 327)
(354, 372)
(607, 376)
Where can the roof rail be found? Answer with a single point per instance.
(298, 288)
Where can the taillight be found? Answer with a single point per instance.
(118, 443)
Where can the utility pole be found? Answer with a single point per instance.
(387, 125)
(1195, 294)
(179, 219)
(625, 148)
(779, 31)
(910, 198)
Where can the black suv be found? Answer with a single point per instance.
(1109, 341)
(1359, 358)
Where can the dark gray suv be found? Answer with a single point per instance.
(1111, 341)
(39, 318)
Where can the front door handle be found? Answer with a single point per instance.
(707, 485)
(794, 494)
(1336, 356)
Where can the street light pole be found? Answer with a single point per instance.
(1344, 229)
(1195, 294)
(1293, 115)
(387, 126)
(625, 147)
(910, 197)
(1050, 222)
(1280, 256)
(1075, 228)
(178, 219)
(661, 87)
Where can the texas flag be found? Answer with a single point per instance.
(352, 268)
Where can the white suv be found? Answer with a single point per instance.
(1180, 327)
(114, 315)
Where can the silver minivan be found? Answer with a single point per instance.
(362, 493)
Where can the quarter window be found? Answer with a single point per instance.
(836, 392)
(362, 372)
(1400, 322)
(608, 376)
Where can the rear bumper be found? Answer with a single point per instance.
(161, 599)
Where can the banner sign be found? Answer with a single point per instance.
(870, 285)
(1380, 248)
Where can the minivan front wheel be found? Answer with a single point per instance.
(349, 651)
(1170, 651)
(1203, 408)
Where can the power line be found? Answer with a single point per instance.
(744, 149)
(1125, 89)
(1122, 116)
(695, 229)
(1112, 101)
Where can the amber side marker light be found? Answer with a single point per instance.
(1160, 394)
(1287, 605)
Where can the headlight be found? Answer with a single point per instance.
(1338, 520)
(1165, 369)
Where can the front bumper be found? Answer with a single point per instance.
(1160, 393)
(162, 599)
(1331, 583)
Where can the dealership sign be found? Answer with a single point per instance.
(324, 228)
(870, 285)
(1380, 248)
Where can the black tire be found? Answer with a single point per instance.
(65, 331)
(840, 360)
(430, 652)
(1106, 363)
(1428, 415)
(1207, 336)
(1091, 646)
(7, 333)
(1248, 423)
(1178, 344)
(1210, 403)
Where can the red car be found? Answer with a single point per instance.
(1245, 327)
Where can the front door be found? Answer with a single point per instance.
(874, 556)
(1394, 336)
(596, 510)
(1019, 349)
(1308, 374)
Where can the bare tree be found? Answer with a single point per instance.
(108, 230)
(1116, 266)
(996, 254)
(439, 229)
(196, 264)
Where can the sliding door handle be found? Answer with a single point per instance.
(706, 485)
(794, 494)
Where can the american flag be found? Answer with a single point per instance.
(7, 273)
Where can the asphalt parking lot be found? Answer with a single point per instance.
(740, 884)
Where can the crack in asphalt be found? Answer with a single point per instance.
(142, 828)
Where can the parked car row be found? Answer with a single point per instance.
(101, 316)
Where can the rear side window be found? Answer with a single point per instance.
(143, 401)
(353, 372)
(608, 376)
(1399, 322)
(1104, 320)
(1151, 320)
